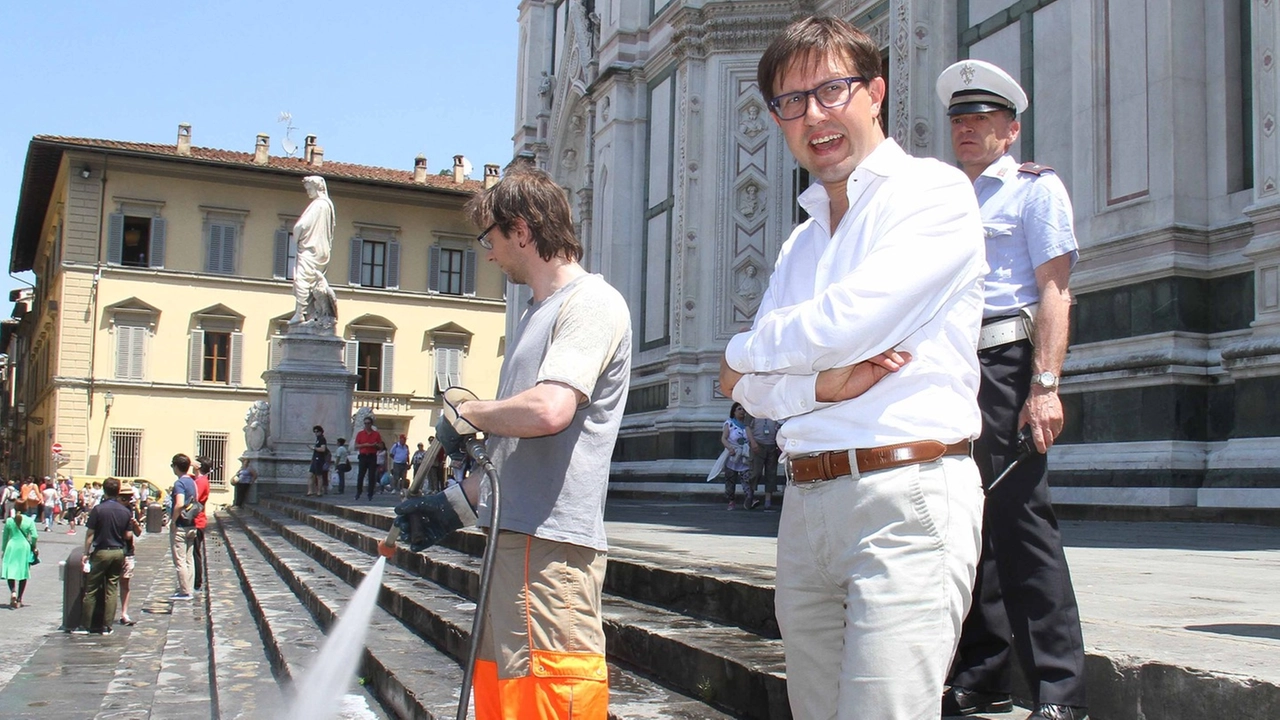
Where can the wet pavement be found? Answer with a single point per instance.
(156, 669)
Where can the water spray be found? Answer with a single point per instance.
(387, 547)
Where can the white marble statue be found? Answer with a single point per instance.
(314, 234)
(257, 425)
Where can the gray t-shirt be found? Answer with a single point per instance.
(554, 487)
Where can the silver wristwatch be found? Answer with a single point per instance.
(1046, 380)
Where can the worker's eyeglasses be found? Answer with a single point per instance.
(485, 242)
(831, 94)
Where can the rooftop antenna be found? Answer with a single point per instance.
(466, 167)
(290, 147)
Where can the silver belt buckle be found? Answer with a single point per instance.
(786, 471)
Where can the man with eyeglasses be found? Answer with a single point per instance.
(1023, 595)
(864, 343)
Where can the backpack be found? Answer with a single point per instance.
(31, 494)
(191, 510)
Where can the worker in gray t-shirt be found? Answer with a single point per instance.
(550, 433)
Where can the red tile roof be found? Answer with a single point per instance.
(298, 166)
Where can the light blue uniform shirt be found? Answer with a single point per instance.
(1027, 221)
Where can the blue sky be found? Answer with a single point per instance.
(377, 81)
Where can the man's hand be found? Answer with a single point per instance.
(454, 399)
(846, 383)
(728, 377)
(1043, 412)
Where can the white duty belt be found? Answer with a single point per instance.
(1010, 329)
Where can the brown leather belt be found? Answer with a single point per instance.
(835, 463)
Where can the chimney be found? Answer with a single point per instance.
(261, 149)
(459, 176)
(490, 176)
(317, 156)
(307, 146)
(184, 139)
(420, 169)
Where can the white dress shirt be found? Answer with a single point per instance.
(903, 270)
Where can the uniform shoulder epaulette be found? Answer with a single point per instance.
(1034, 168)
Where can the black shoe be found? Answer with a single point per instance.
(961, 701)
(1049, 711)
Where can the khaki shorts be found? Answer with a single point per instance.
(542, 650)
(128, 567)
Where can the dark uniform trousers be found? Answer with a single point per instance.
(1023, 590)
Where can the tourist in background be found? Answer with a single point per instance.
(9, 493)
(399, 456)
(205, 466)
(29, 499)
(319, 477)
(419, 457)
(763, 434)
(734, 439)
(17, 549)
(367, 456)
(342, 464)
(245, 477)
(108, 528)
(384, 479)
(182, 531)
(127, 498)
(50, 498)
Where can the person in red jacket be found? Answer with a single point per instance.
(205, 466)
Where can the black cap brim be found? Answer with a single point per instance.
(976, 107)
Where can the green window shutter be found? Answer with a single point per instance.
(158, 231)
(433, 269)
(138, 353)
(229, 249)
(354, 275)
(124, 348)
(237, 352)
(353, 348)
(213, 255)
(195, 359)
(393, 265)
(455, 368)
(469, 272)
(280, 256)
(115, 238)
(388, 366)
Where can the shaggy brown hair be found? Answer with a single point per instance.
(532, 195)
(810, 41)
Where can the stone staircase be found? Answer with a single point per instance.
(681, 644)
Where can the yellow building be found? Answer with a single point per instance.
(163, 282)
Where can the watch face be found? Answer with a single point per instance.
(1047, 379)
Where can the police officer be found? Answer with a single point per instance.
(1023, 596)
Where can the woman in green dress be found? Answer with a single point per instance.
(17, 545)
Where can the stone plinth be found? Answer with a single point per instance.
(310, 386)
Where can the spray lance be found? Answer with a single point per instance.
(427, 519)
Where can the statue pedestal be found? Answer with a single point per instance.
(310, 386)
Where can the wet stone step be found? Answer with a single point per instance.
(439, 616)
(726, 595)
(282, 581)
(723, 665)
(244, 681)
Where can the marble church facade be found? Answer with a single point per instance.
(1159, 115)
